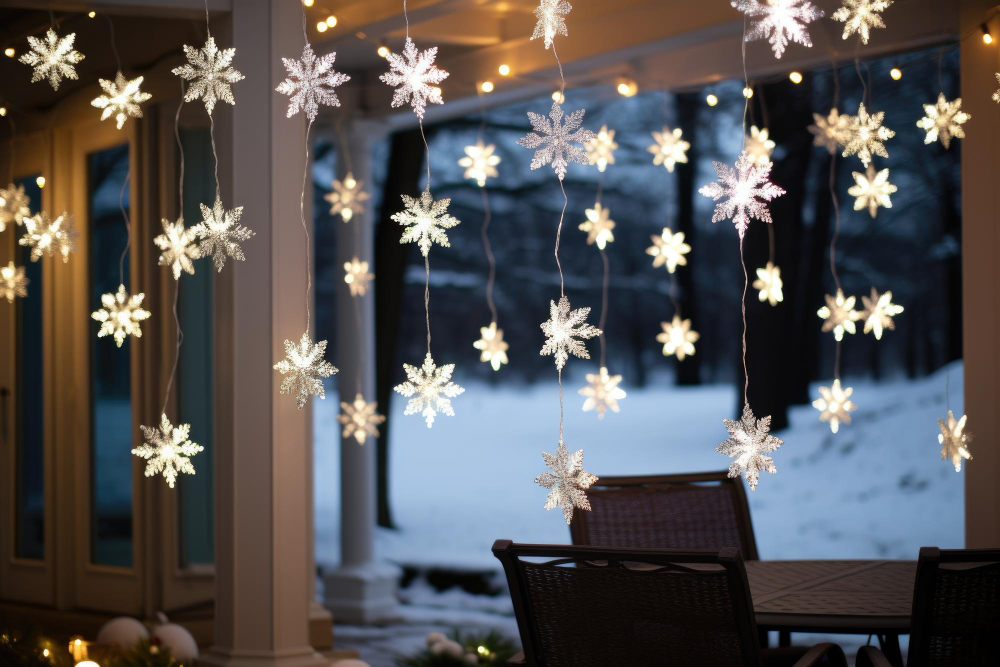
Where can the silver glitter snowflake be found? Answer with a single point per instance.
(45, 236)
(303, 369)
(943, 120)
(954, 440)
(550, 20)
(839, 315)
(52, 58)
(769, 283)
(602, 392)
(565, 331)
(871, 190)
(13, 206)
(121, 315)
(480, 163)
(831, 132)
(668, 250)
(425, 221)
(492, 347)
(347, 197)
(834, 404)
(867, 135)
(167, 450)
(13, 282)
(211, 74)
(748, 443)
(430, 390)
(177, 247)
(310, 83)
(779, 21)
(357, 276)
(567, 481)
(360, 419)
(860, 16)
(121, 99)
(745, 188)
(669, 148)
(598, 226)
(554, 140)
(220, 232)
(678, 338)
(415, 77)
(878, 312)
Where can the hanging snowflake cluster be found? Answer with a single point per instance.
(567, 481)
(867, 135)
(304, 368)
(678, 338)
(210, 73)
(831, 132)
(480, 163)
(745, 189)
(602, 392)
(601, 149)
(860, 16)
(121, 315)
(598, 226)
(357, 276)
(415, 77)
(769, 283)
(491, 345)
(178, 247)
(220, 232)
(360, 419)
(121, 99)
(748, 443)
(550, 21)
(347, 197)
(779, 21)
(871, 190)
(13, 282)
(943, 120)
(425, 221)
(669, 149)
(834, 404)
(13, 206)
(555, 139)
(565, 331)
(430, 390)
(759, 146)
(878, 312)
(167, 450)
(839, 315)
(954, 440)
(52, 58)
(310, 83)
(668, 250)
(45, 236)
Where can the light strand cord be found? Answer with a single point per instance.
(836, 210)
(356, 228)
(128, 225)
(746, 278)
(562, 216)
(114, 47)
(305, 229)
(427, 261)
(487, 217)
(178, 333)
(605, 283)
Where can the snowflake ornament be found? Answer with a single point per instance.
(220, 232)
(167, 450)
(859, 16)
(748, 443)
(954, 440)
(120, 315)
(121, 99)
(347, 197)
(360, 419)
(602, 392)
(52, 58)
(668, 250)
(831, 132)
(669, 148)
(565, 331)
(871, 190)
(839, 315)
(554, 140)
(357, 276)
(678, 338)
(834, 404)
(310, 83)
(551, 22)
(178, 247)
(943, 120)
(429, 389)
(867, 135)
(996, 95)
(13, 282)
(878, 312)
(480, 162)
(303, 369)
(779, 21)
(45, 236)
(769, 283)
(746, 190)
(491, 345)
(415, 77)
(425, 221)
(598, 226)
(758, 146)
(211, 74)
(13, 206)
(567, 481)
(601, 149)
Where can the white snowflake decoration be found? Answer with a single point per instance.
(871, 190)
(745, 188)
(567, 481)
(878, 312)
(759, 146)
(669, 148)
(429, 389)
(211, 74)
(121, 99)
(839, 315)
(45, 236)
(996, 94)
(769, 283)
(480, 163)
(678, 338)
(748, 443)
(360, 419)
(357, 276)
(415, 77)
(13, 206)
(347, 197)
(303, 369)
(954, 440)
(565, 331)
(943, 120)
(668, 250)
(52, 58)
(310, 83)
(867, 135)
(779, 21)
(550, 21)
(13, 282)
(831, 132)
(598, 226)
(167, 450)
(554, 140)
(121, 315)
(425, 221)
(859, 16)
(491, 345)
(834, 404)
(178, 247)
(220, 232)
(602, 392)
(601, 149)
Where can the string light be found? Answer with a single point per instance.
(304, 368)
(360, 419)
(54, 58)
(554, 140)
(834, 404)
(779, 21)
(322, 26)
(504, 70)
(987, 37)
(178, 246)
(859, 16)
(602, 392)
(121, 315)
(425, 221)
(479, 162)
(795, 77)
(711, 100)
(486, 86)
(628, 88)
(3, 111)
(357, 276)
(747, 92)
(565, 331)
(40, 181)
(600, 149)
(220, 232)
(429, 389)
(383, 50)
(331, 21)
(308, 3)
(954, 440)
(943, 120)
(13, 282)
(867, 136)
(678, 338)
(746, 189)
(412, 75)
(311, 82)
(91, 14)
(770, 284)
(14, 206)
(9, 52)
(831, 132)
(878, 312)
(491, 345)
(210, 74)
(896, 73)
(167, 450)
(839, 314)
(759, 145)
(550, 21)
(121, 99)
(668, 250)
(598, 226)
(871, 190)
(45, 236)
(347, 197)
(669, 148)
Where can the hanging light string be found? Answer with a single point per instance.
(836, 208)
(746, 277)
(211, 118)
(128, 174)
(605, 283)
(487, 217)
(302, 199)
(356, 229)
(178, 333)
(562, 217)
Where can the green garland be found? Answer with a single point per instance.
(497, 650)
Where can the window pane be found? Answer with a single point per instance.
(110, 386)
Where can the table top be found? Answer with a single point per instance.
(836, 596)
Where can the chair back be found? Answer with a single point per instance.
(580, 606)
(692, 511)
(956, 608)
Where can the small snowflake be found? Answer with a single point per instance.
(769, 283)
(748, 443)
(53, 58)
(303, 369)
(121, 99)
(669, 148)
(426, 221)
(13, 206)
(360, 419)
(220, 232)
(839, 315)
(357, 276)
(167, 450)
(554, 140)
(491, 345)
(859, 16)
(867, 135)
(759, 146)
(668, 250)
(178, 247)
(954, 440)
(878, 312)
(479, 162)
(600, 149)
(44, 235)
(872, 190)
(834, 404)
(598, 226)
(831, 132)
(120, 315)
(602, 392)
(678, 338)
(211, 74)
(779, 21)
(746, 188)
(567, 481)
(943, 120)
(565, 331)
(310, 83)
(347, 197)
(429, 389)
(996, 95)
(12, 282)
(415, 77)
(551, 22)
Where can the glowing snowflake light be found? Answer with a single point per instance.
(669, 148)
(859, 16)
(52, 58)
(347, 197)
(831, 132)
(415, 77)
(120, 315)
(479, 162)
(745, 188)
(872, 190)
(178, 247)
(867, 135)
(13, 206)
(779, 21)
(167, 450)
(878, 312)
(220, 232)
(551, 22)
(678, 338)
(602, 392)
(211, 74)
(303, 369)
(769, 283)
(565, 331)
(425, 221)
(834, 404)
(954, 440)
(357, 276)
(668, 250)
(491, 345)
(839, 315)
(554, 140)
(12, 282)
(567, 481)
(360, 419)
(121, 99)
(310, 83)
(943, 120)
(748, 443)
(996, 95)
(601, 149)
(45, 236)
(429, 389)
(758, 146)
(598, 226)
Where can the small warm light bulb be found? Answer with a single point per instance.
(796, 77)
(487, 86)
(896, 73)
(748, 92)
(987, 37)
(350, 183)
(331, 21)
(504, 70)
(436, 90)
(3, 111)
(558, 97)
(308, 3)
(45, 652)
(91, 14)
(322, 26)
(712, 100)
(383, 51)
(627, 88)
(87, 663)
(40, 181)
(9, 52)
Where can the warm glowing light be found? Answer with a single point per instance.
(669, 148)
(504, 70)
(480, 162)
(602, 392)
(486, 86)
(868, 136)
(628, 88)
(91, 14)
(872, 189)
(678, 338)
(839, 314)
(896, 73)
(600, 149)
(565, 331)
(53, 58)
(554, 137)
(9, 52)
(331, 21)
(796, 77)
(167, 450)
(121, 99)
(3, 111)
(436, 90)
(759, 145)
(220, 232)
(878, 313)
(748, 92)
(558, 97)
(954, 440)
(430, 390)
(668, 250)
(322, 27)
(425, 221)
(746, 190)
(987, 37)
(383, 50)
(308, 3)
(210, 73)
(414, 77)
(769, 283)
(943, 120)
(491, 345)
(711, 100)
(834, 404)
(360, 419)
(304, 368)
(598, 226)
(357, 276)
(120, 315)
(347, 197)
(40, 181)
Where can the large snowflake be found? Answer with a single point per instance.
(745, 188)
(310, 83)
(554, 140)
(303, 369)
(177, 247)
(769, 283)
(347, 197)
(211, 74)
(867, 135)
(13, 282)
(357, 276)
(748, 443)
(121, 99)
(834, 404)
(13, 206)
(943, 120)
(53, 58)
(954, 440)
(678, 338)
(598, 226)
(167, 450)
(480, 163)
(491, 345)
(567, 481)
(415, 77)
(45, 236)
(831, 132)
(220, 232)
(878, 312)
(360, 419)
(839, 315)
(759, 145)
(871, 190)
(425, 221)
(601, 149)
(550, 20)
(121, 315)
(430, 389)
(779, 21)
(602, 392)
(668, 250)
(669, 148)
(860, 16)
(565, 331)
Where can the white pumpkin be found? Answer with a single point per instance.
(123, 632)
(176, 638)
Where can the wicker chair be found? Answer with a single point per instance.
(956, 611)
(590, 606)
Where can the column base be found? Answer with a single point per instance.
(361, 594)
(219, 657)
